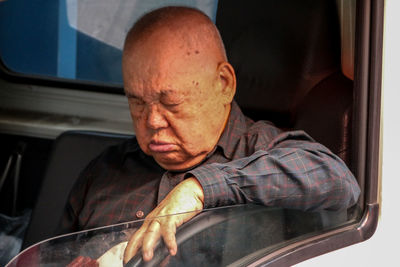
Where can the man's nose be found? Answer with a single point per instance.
(156, 118)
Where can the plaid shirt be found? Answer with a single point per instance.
(253, 162)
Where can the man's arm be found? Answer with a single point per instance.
(290, 172)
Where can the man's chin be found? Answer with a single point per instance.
(173, 163)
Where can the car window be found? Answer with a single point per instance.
(78, 40)
(233, 235)
(81, 42)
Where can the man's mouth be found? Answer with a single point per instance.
(157, 146)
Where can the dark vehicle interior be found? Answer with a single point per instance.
(292, 64)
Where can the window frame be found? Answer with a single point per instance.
(366, 138)
(54, 82)
(366, 149)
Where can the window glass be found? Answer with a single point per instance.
(228, 236)
(74, 39)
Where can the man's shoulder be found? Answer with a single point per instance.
(117, 153)
(241, 125)
(263, 129)
(265, 134)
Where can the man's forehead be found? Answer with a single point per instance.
(168, 43)
(156, 92)
(160, 59)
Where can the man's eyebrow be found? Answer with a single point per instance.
(131, 95)
(166, 91)
(169, 92)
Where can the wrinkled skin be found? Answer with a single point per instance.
(179, 97)
(177, 101)
(186, 200)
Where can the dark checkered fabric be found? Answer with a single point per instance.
(253, 162)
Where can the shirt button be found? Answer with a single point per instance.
(139, 214)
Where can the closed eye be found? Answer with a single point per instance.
(136, 106)
(170, 99)
(173, 107)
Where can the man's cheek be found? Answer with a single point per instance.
(141, 137)
(194, 143)
(139, 125)
(143, 144)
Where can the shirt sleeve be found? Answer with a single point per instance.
(292, 171)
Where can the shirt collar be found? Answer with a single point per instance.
(234, 129)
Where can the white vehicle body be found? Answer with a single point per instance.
(382, 248)
(49, 107)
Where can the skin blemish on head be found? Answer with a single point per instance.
(175, 113)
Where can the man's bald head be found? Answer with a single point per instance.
(191, 27)
(179, 85)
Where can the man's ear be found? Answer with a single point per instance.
(227, 81)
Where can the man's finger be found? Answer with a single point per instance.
(134, 244)
(168, 234)
(150, 239)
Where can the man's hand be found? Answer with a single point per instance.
(186, 200)
(83, 261)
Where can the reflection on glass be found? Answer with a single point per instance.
(235, 235)
(74, 39)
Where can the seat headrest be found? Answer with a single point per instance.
(280, 50)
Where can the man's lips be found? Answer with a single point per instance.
(161, 146)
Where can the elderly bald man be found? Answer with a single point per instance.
(194, 149)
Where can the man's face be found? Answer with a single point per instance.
(175, 100)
